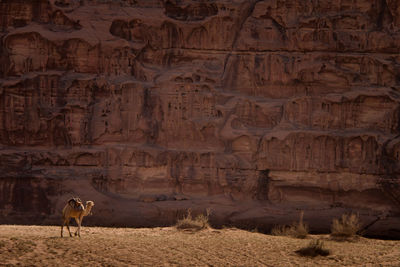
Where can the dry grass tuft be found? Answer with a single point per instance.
(194, 224)
(297, 229)
(346, 227)
(25, 246)
(314, 248)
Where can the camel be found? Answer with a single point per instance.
(75, 209)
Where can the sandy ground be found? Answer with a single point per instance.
(43, 246)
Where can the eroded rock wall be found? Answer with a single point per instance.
(255, 109)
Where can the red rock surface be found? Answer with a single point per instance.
(255, 109)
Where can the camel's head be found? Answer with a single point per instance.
(76, 204)
(89, 205)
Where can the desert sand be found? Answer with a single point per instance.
(43, 246)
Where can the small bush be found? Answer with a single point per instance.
(282, 230)
(297, 229)
(195, 224)
(346, 227)
(24, 246)
(314, 248)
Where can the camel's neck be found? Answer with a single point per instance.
(87, 210)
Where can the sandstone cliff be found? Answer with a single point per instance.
(255, 109)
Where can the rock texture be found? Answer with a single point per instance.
(255, 109)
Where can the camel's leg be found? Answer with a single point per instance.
(64, 221)
(68, 228)
(78, 230)
(80, 224)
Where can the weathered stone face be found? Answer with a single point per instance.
(253, 108)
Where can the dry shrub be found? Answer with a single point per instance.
(346, 227)
(21, 246)
(297, 229)
(314, 248)
(194, 224)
